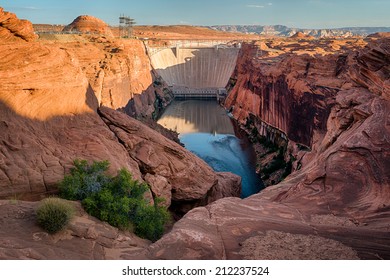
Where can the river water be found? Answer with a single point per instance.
(206, 130)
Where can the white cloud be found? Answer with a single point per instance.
(30, 8)
(269, 4)
(255, 6)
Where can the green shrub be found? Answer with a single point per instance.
(53, 214)
(84, 179)
(150, 220)
(117, 200)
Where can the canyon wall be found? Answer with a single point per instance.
(284, 95)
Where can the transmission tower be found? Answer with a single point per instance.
(126, 26)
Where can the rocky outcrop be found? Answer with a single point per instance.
(301, 35)
(90, 25)
(258, 228)
(284, 31)
(85, 238)
(340, 201)
(348, 172)
(14, 29)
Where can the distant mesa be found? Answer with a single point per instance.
(301, 35)
(380, 35)
(88, 25)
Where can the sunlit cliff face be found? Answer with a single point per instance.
(34, 81)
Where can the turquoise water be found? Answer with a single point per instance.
(207, 131)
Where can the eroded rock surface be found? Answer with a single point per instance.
(48, 120)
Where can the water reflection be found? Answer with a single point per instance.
(206, 130)
(192, 116)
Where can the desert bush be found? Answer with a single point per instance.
(84, 179)
(118, 200)
(54, 214)
(150, 220)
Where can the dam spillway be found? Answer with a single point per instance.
(195, 68)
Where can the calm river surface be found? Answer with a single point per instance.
(206, 130)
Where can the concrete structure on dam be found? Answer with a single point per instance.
(195, 68)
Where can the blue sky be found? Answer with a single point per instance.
(293, 13)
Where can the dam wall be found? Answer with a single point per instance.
(195, 67)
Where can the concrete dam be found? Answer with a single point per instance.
(195, 68)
